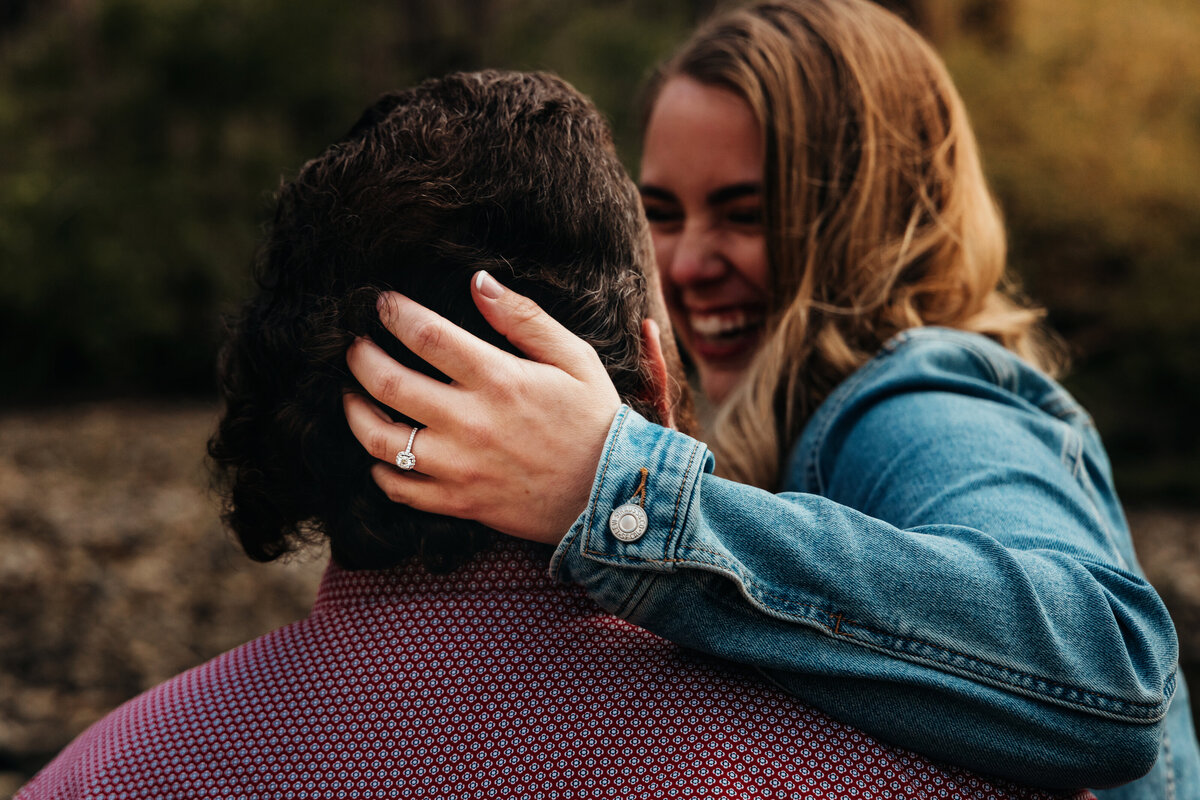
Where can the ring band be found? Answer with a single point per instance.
(405, 459)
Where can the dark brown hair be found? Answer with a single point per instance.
(509, 172)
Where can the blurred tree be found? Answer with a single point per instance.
(142, 135)
(1090, 127)
(13, 14)
(142, 139)
(990, 22)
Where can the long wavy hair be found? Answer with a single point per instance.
(879, 218)
(510, 172)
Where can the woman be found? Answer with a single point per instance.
(946, 565)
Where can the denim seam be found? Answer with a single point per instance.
(847, 390)
(592, 506)
(1002, 375)
(683, 485)
(597, 490)
(666, 559)
(1061, 406)
(1007, 671)
(1089, 492)
(1072, 451)
(833, 413)
(1168, 763)
(967, 657)
(636, 597)
(1000, 674)
(604, 555)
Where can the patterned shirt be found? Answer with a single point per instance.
(492, 681)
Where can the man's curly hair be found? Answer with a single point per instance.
(510, 172)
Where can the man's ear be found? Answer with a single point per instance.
(652, 353)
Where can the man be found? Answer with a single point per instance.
(440, 660)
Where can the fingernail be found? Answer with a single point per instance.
(488, 286)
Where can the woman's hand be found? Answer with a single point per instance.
(512, 443)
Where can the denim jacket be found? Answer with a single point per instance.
(949, 569)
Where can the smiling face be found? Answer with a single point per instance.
(701, 184)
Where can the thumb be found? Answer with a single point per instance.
(530, 329)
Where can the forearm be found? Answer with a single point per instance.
(957, 713)
(1039, 665)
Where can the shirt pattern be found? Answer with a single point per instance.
(492, 681)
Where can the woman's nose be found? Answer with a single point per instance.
(695, 258)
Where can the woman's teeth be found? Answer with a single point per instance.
(725, 325)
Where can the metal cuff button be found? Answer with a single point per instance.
(628, 522)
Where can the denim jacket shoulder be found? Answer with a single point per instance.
(949, 547)
(941, 381)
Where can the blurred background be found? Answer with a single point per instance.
(140, 144)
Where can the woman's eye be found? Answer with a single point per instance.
(745, 216)
(658, 214)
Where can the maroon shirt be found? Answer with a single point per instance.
(492, 681)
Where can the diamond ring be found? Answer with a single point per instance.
(406, 459)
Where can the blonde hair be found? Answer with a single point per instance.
(879, 218)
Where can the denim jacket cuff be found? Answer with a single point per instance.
(673, 462)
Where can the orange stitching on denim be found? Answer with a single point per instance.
(1120, 702)
(795, 604)
(968, 657)
(836, 629)
(603, 473)
(713, 553)
(682, 485)
(721, 561)
(640, 494)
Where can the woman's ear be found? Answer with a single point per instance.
(652, 353)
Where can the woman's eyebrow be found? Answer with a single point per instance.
(734, 191)
(724, 194)
(656, 192)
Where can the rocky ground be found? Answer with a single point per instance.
(115, 573)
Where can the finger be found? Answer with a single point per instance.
(411, 489)
(416, 396)
(464, 357)
(530, 329)
(383, 438)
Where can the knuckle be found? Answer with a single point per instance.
(590, 354)
(426, 336)
(478, 436)
(452, 504)
(499, 380)
(471, 475)
(525, 310)
(590, 366)
(377, 445)
(387, 387)
(586, 352)
(526, 394)
(391, 488)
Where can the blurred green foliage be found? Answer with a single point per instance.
(143, 138)
(1089, 120)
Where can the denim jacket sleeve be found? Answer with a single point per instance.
(955, 575)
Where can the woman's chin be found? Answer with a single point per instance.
(722, 368)
(718, 382)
